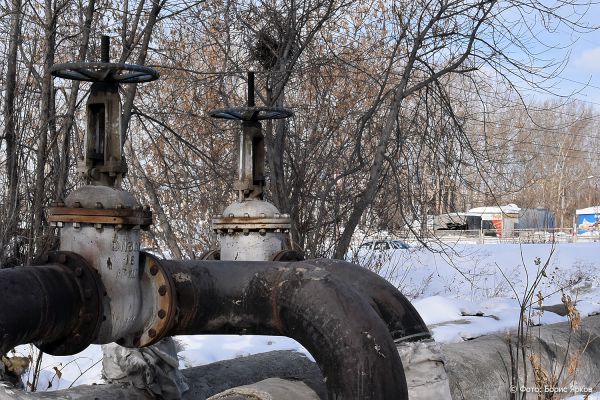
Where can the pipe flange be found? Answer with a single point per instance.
(119, 216)
(250, 224)
(159, 305)
(91, 313)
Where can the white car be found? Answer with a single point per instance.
(382, 245)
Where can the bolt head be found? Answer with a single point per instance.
(153, 270)
(162, 290)
(152, 333)
(162, 314)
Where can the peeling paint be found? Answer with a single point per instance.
(181, 277)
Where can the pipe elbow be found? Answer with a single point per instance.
(308, 303)
(403, 321)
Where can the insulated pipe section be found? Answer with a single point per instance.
(55, 305)
(308, 303)
(401, 317)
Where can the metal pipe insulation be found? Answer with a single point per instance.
(306, 302)
(403, 320)
(56, 305)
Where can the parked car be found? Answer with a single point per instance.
(383, 245)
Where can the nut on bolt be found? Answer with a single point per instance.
(162, 290)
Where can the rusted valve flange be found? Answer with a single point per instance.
(91, 311)
(233, 224)
(159, 304)
(119, 216)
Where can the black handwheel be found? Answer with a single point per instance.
(105, 72)
(251, 113)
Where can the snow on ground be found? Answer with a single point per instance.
(470, 290)
(461, 292)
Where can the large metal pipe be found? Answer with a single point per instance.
(55, 305)
(335, 309)
(306, 302)
(401, 317)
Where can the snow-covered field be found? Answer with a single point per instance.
(461, 292)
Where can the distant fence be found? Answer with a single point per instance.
(484, 236)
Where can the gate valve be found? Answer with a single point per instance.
(251, 229)
(101, 222)
(103, 162)
(251, 180)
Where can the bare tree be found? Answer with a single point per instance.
(11, 206)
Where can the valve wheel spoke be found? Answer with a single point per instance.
(105, 72)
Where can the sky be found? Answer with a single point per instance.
(581, 74)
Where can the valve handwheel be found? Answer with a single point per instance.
(251, 113)
(105, 71)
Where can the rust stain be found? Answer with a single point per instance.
(274, 301)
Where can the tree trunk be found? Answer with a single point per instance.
(368, 194)
(46, 113)
(63, 167)
(131, 90)
(163, 221)
(9, 229)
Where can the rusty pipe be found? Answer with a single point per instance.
(308, 303)
(401, 317)
(55, 305)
